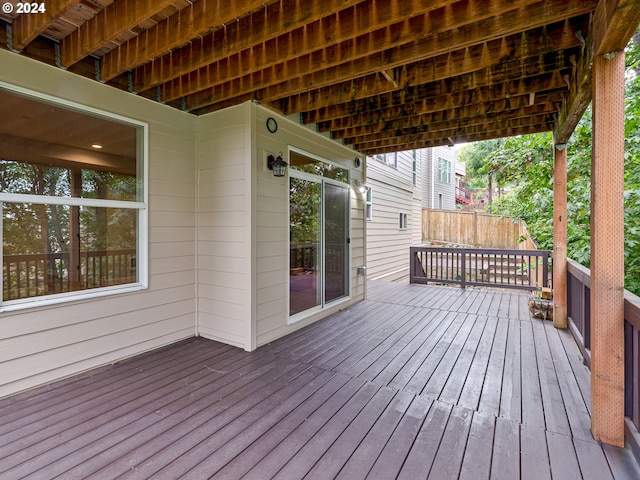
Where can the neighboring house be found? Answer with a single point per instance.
(393, 212)
(400, 185)
(209, 230)
(439, 178)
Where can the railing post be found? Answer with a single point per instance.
(560, 236)
(463, 283)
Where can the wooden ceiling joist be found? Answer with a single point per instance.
(278, 29)
(466, 117)
(27, 27)
(297, 55)
(353, 121)
(426, 141)
(486, 47)
(106, 26)
(438, 120)
(196, 20)
(383, 75)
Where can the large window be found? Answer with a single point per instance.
(72, 196)
(445, 170)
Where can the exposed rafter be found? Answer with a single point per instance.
(198, 19)
(485, 45)
(106, 26)
(381, 75)
(26, 27)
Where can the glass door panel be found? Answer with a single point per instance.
(336, 211)
(305, 221)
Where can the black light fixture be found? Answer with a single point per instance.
(277, 165)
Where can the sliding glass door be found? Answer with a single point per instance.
(319, 236)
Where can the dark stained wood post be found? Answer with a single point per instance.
(560, 236)
(607, 250)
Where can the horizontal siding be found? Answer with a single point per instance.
(271, 223)
(224, 223)
(392, 193)
(43, 344)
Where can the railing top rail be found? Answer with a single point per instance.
(490, 251)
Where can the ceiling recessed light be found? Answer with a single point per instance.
(95, 145)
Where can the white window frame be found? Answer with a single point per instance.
(368, 209)
(414, 169)
(389, 159)
(142, 250)
(403, 221)
(444, 167)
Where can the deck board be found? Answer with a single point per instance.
(414, 382)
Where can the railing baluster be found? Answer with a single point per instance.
(471, 266)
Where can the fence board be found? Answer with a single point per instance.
(473, 228)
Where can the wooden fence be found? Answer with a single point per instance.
(478, 229)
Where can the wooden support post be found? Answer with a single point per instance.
(559, 236)
(607, 250)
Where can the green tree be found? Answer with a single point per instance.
(525, 166)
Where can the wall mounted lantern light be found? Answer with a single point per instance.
(361, 187)
(277, 165)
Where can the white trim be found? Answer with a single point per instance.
(71, 201)
(142, 247)
(292, 172)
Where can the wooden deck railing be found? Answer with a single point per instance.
(32, 275)
(579, 313)
(521, 269)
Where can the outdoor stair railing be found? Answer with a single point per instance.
(520, 269)
(579, 315)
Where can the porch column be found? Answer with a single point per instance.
(560, 236)
(607, 250)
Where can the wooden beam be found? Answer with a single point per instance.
(197, 19)
(26, 27)
(560, 235)
(106, 26)
(278, 33)
(614, 23)
(607, 250)
(483, 46)
(559, 36)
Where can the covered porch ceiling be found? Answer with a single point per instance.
(378, 75)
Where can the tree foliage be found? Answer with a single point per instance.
(524, 167)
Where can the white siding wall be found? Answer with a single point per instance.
(224, 227)
(392, 193)
(218, 238)
(43, 344)
(272, 230)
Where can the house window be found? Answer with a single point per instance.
(445, 170)
(390, 159)
(415, 169)
(73, 202)
(369, 205)
(403, 221)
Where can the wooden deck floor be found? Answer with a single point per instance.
(416, 382)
